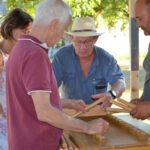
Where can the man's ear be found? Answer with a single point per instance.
(96, 38)
(53, 26)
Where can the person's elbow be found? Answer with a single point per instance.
(42, 115)
(123, 87)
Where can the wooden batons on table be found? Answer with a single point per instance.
(96, 111)
(121, 135)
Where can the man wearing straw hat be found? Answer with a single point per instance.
(85, 70)
(142, 15)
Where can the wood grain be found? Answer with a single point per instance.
(121, 135)
(128, 109)
(126, 103)
(63, 142)
(88, 107)
(69, 144)
(96, 111)
(116, 110)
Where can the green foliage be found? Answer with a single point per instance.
(112, 11)
(27, 5)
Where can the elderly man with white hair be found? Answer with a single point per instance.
(35, 119)
(85, 70)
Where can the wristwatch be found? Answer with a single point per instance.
(113, 93)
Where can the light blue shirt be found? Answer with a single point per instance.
(104, 71)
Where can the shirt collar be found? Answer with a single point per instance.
(34, 40)
(96, 56)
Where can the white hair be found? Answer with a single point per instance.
(49, 10)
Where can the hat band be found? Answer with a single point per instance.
(86, 30)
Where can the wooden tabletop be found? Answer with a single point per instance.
(142, 125)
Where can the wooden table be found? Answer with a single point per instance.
(125, 133)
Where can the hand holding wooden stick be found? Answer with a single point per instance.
(128, 109)
(88, 107)
(125, 108)
(115, 110)
(123, 104)
(126, 103)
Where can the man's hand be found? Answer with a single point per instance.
(141, 111)
(136, 101)
(77, 105)
(106, 97)
(97, 126)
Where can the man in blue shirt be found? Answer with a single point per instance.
(83, 70)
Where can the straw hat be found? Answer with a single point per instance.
(84, 27)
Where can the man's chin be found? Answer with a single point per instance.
(146, 33)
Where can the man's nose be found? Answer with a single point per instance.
(83, 45)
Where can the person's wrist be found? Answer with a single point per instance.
(71, 104)
(109, 95)
(113, 93)
(85, 127)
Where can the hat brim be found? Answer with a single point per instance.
(84, 34)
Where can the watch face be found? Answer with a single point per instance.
(114, 93)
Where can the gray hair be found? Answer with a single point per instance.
(49, 10)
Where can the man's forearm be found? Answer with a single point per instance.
(47, 113)
(63, 121)
(53, 116)
(119, 88)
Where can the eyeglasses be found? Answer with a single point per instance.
(86, 43)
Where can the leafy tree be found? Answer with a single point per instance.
(27, 5)
(111, 11)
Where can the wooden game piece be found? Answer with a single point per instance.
(70, 147)
(88, 107)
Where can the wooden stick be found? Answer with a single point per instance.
(121, 105)
(88, 107)
(126, 103)
(115, 110)
(60, 145)
(64, 144)
(70, 147)
(74, 146)
(60, 148)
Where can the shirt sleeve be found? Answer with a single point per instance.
(36, 72)
(114, 72)
(58, 68)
